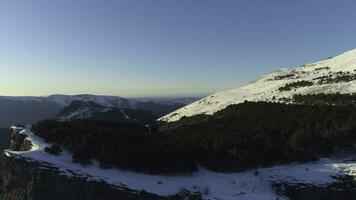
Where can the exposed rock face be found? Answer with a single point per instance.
(18, 142)
(345, 189)
(21, 179)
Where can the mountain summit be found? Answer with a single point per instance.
(332, 75)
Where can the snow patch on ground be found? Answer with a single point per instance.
(225, 186)
(125, 115)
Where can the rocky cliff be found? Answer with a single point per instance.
(22, 180)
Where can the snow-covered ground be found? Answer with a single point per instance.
(215, 186)
(266, 88)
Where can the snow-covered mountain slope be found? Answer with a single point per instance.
(80, 110)
(333, 75)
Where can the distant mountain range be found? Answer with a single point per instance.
(80, 109)
(32, 109)
(329, 76)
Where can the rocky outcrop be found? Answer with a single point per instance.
(21, 179)
(18, 141)
(344, 188)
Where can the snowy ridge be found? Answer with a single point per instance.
(65, 100)
(267, 87)
(108, 101)
(224, 186)
(81, 109)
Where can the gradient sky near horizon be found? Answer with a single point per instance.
(137, 48)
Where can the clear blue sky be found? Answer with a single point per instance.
(162, 47)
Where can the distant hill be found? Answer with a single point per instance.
(80, 109)
(28, 110)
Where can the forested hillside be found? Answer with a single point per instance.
(114, 144)
(241, 136)
(255, 134)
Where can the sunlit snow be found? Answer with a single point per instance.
(266, 88)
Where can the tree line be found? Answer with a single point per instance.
(255, 134)
(250, 134)
(128, 146)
